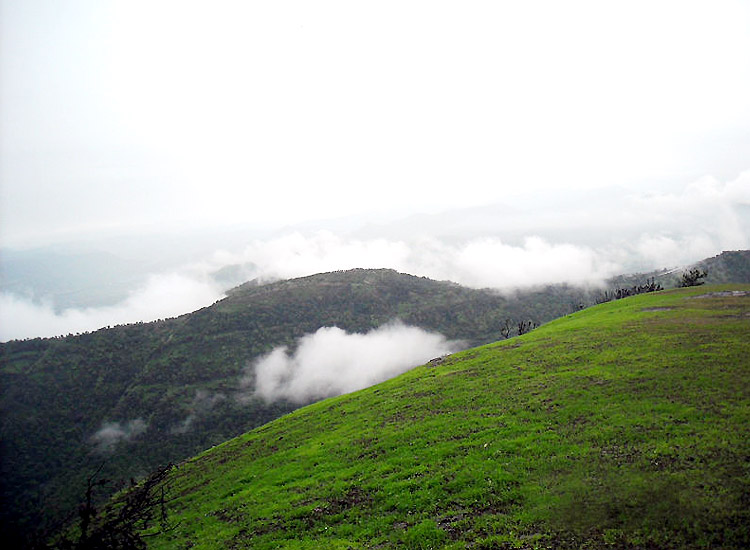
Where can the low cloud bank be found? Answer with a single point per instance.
(112, 433)
(579, 242)
(480, 263)
(485, 262)
(707, 217)
(332, 361)
(165, 295)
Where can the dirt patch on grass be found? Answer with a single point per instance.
(657, 309)
(354, 496)
(228, 515)
(725, 294)
(449, 525)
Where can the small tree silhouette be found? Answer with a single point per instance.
(120, 524)
(526, 326)
(505, 329)
(693, 277)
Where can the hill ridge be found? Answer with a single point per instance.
(175, 379)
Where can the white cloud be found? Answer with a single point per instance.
(165, 295)
(483, 262)
(296, 255)
(664, 251)
(332, 361)
(704, 218)
(738, 190)
(581, 240)
(417, 103)
(491, 263)
(112, 433)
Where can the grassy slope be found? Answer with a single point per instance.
(624, 425)
(56, 393)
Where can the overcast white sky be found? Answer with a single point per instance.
(143, 114)
(579, 138)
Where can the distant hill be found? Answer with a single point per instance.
(621, 426)
(728, 267)
(74, 279)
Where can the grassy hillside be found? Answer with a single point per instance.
(622, 426)
(178, 379)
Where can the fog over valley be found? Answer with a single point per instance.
(576, 238)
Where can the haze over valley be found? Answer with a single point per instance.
(577, 238)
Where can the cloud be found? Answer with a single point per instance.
(578, 239)
(296, 255)
(566, 238)
(332, 361)
(203, 402)
(164, 295)
(112, 433)
(483, 262)
(489, 262)
(704, 218)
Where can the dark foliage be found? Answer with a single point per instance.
(522, 327)
(505, 329)
(55, 393)
(526, 326)
(693, 277)
(121, 524)
(618, 293)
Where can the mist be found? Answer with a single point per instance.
(113, 433)
(163, 295)
(437, 152)
(580, 239)
(332, 362)
(202, 403)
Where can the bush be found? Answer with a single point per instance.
(693, 278)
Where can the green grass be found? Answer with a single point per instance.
(622, 426)
(56, 393)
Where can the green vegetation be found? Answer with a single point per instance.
(693, 277)
(622, 426)
(125, 518)
(180, 377)
(728, 267)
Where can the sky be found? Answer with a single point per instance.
(429, 136)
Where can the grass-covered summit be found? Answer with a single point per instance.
(622, 426)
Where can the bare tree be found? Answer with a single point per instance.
(526, 326)
(505, 329)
